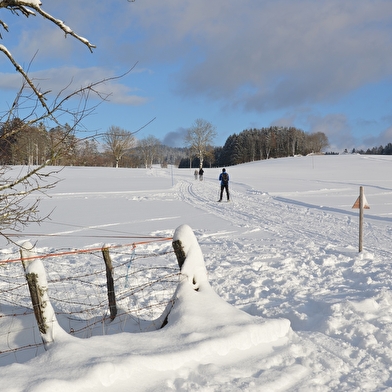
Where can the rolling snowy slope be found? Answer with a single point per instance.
(290, 304)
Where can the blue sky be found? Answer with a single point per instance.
(317, 65)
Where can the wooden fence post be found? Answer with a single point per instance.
(36, 299)
(110, 283)
(38, 287)
(179, 251)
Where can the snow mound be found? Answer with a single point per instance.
(199, 314)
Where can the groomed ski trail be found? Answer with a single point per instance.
(272, 214)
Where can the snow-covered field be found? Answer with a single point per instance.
(285, 301)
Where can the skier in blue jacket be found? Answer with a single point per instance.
(224, 181)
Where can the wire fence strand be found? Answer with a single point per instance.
(145, 273)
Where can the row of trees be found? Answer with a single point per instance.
(122, 145)
(256, 144)
(59, 146)
(381, 150)
(273, 142)
(36, 145)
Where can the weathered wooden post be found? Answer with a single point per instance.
(362, 204)
(179, 252)
(38, 287)
(110, 283)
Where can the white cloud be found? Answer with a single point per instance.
(68, 79)
(257, 55)
(270, 55)
(286, 121)
(337, 129)
(248, 57)
(382, 139)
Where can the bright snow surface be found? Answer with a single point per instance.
(284, 300)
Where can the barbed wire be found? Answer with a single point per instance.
(79, 251)
(145, 273)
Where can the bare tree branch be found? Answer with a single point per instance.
(32, 109)
(20, 69)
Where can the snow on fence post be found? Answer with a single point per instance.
(38, 287)
(189, 256)
(191, 262)
(110, 283)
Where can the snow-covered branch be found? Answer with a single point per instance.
(27, 8)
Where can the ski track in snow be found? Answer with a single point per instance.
(271, 283)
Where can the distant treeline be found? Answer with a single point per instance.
(257, 144)
(35, 144)
(381, 150)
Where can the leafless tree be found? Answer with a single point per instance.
(37, 107)
(199, 136)
(149, 149)
(269, 141)
(316, 142)
(29, 147)
(87, 153)
(118, 141)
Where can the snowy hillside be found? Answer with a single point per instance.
(286, 301)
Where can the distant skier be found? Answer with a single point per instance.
(196, 173)
(201, 172)
(224, 182)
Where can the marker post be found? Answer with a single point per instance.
(362, 204)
